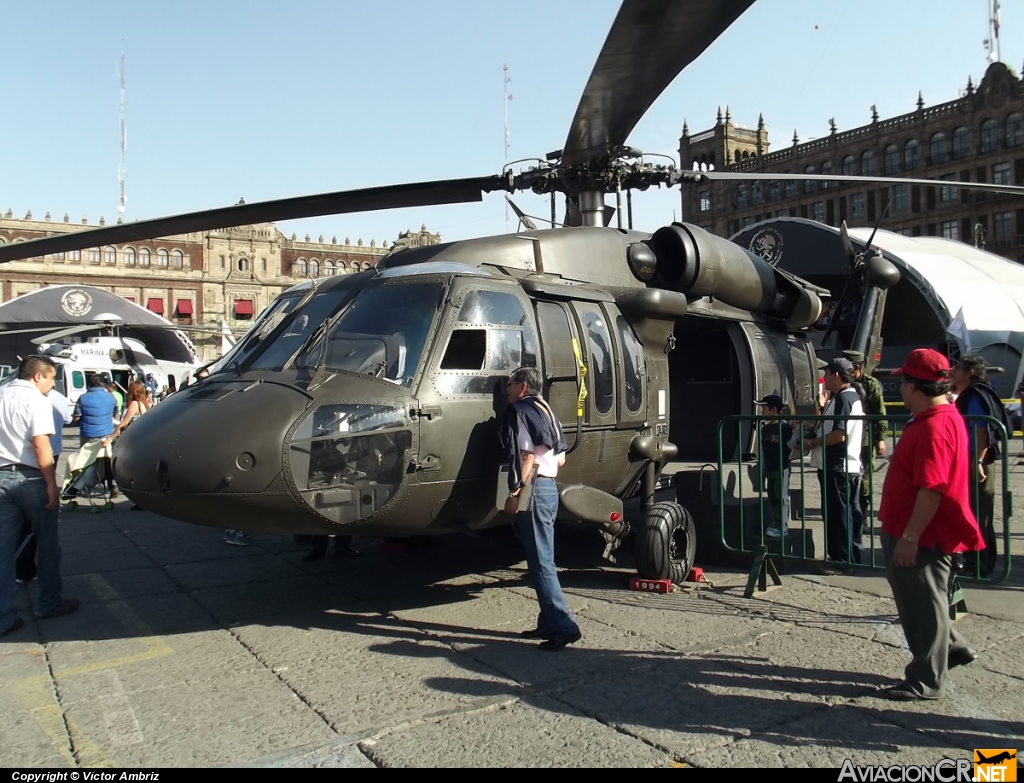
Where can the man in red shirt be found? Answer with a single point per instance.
(926, 518)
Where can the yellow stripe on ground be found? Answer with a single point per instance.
(38, 698)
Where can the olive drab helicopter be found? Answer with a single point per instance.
(368, 404)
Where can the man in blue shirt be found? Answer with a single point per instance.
(976, 398)
(94, 414)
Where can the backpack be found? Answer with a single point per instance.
(997, 411)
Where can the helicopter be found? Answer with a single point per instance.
(368, 404)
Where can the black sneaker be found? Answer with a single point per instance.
(556, 643)
(18, 623)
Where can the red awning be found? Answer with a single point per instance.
(130, 299)
(184, 307)
(155, 305)
(243, 307)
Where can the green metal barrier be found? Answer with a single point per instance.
(797, 545)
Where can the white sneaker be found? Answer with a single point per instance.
(237, 538)
(773, 532)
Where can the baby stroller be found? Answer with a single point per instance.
(88, 473)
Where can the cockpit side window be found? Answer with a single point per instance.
(600, 362)
(491, 353)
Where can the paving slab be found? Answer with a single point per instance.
(543, 733)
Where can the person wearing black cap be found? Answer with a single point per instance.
(875, 432)
(776, 448)
(926, 519)
(835, 452)
(976, 398)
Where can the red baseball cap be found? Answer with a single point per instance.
(926, 364)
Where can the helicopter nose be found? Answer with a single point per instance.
(196, 455)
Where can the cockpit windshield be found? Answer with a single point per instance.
(380, 332)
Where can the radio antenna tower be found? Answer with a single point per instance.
(124, 144)
(506, 81)
(992, 42)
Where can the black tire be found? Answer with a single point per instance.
(666, 543)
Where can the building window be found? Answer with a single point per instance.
(774, 191)
(299, 268)
(937, 151)
(177, 259)
(129, 256)
(826, 169)
(328, 268)
(94, 255)
(1000, 173)
(1002, 226)
(790, 188)
(901, 198)
(809, 184)
(849, 166)
(857, 205)
(756, 196)
(56, 256)
(748, 221)
(989, 136)
(144, 257)
(1015, 129)
(314, 268)
(947, 193)
(867, 163)
(75, 255)
(263, 265)
(705, 200)
(741, 195)
(162, 257)
(911, 155)
(961, 143)
(243, 265)
(950, 229)
(818, 211)
(891, 160)
(222, 262)
(109, 256)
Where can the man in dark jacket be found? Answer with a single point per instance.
(776, 449)
(976, 398)
(535, 445)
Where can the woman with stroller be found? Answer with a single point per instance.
(135, 408)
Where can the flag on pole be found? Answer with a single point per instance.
(958, 329)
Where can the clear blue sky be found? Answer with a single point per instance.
(267, 99)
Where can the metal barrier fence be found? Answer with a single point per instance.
(839, 516)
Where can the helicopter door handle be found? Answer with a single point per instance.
(428, 463)
(429, 412)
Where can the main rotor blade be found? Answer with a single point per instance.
(650, 43)
(418, 194)
(775, 176)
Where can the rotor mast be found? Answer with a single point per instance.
(592, 208)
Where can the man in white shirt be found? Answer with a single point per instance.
(836, 449)
(28, 488)
(535, 447)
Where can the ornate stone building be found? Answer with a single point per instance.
(192, 279)
(979, 137)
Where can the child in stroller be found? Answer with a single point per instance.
(88, 477)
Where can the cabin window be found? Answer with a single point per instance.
(77, 379)
(600, 363)
(632, 366)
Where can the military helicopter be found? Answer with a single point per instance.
(368, 404)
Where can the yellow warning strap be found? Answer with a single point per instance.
(581, 368)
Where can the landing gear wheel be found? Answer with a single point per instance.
(666, 543)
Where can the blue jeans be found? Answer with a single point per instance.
(537, 531)
(23, 497)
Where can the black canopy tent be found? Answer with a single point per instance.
(64, 306)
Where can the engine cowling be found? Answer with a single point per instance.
(692, 261)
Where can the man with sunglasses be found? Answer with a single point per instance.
(535, 447)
